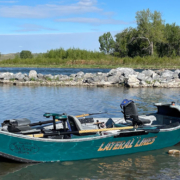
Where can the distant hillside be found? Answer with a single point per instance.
(12, 55)
(8, 56)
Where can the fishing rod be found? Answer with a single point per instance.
(78, 116)
(56, 120)
(83, 115)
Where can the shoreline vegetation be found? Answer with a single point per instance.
(77, 58)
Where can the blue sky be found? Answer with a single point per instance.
(41, 25)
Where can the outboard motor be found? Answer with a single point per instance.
(130, 112)
(16, 125)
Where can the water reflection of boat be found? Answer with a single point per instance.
(22, 143)
(152, 165)
(8, 166)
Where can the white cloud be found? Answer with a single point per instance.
(87, 2)
(32, 27)
(49, 10)
(92, 21)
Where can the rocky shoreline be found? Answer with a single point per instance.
(115, 77)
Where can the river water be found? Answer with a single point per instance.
(54, 71)
(33, 102)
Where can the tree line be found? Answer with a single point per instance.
(71, 53)
(151, 37)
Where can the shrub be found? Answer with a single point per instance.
(25, 54)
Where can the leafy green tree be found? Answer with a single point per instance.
(25, 54)
(150, 26)
(123, 46)
(172, 34)
(171, 45)
(106, 43)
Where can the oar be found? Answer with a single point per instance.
(83, 115)
(79, 132)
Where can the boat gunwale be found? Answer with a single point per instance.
(76, 139)
(55, 140)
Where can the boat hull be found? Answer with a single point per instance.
(27, 149)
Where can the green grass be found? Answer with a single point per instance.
(76, 58)
(134, 66)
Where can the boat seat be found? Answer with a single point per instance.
(76, 125)
(16, 125)
(145, 119)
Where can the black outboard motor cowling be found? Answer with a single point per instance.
(16, 125)
(130, 111)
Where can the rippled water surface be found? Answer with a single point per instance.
(53, 71)
(32, 102)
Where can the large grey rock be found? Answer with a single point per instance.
(169, 79)
(80, 74)
(175, 75)
(102, 78)
(6, 76)
(32, 74)
(159, 71)
(177, 71)
(156, 77)
(162, 80)
(89, 80)
(112, 72)
(63, 78)
(148, 80)
(167, 73)
(72, 75)
(40, 76)
(88, 75)
(122, 71)
(19, 76)
(113, 79)
(148, 72)
(1, 75)
(141, 76)
(121, 79)
(96, 78)
(56, 77)
(26, 79)
(126, 72)
(99, 74)
(48, 77)
(156, 84)
(143, 83)
(132, 81)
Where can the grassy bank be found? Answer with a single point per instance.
(138, 63)
(91, 66)
(75, 58)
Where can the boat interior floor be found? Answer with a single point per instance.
(153, 121)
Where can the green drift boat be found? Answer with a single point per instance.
(77, 139)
